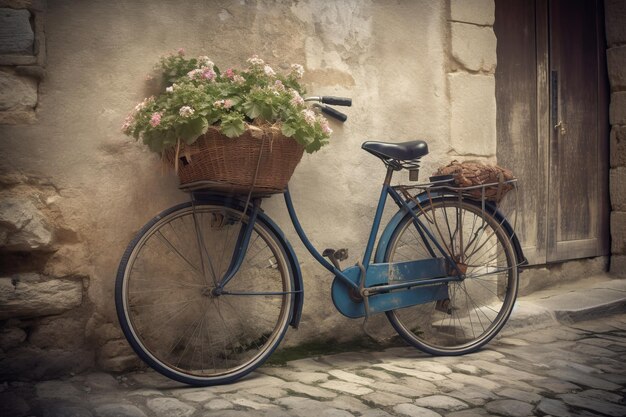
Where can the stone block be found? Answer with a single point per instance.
(617, 187)
(618, 232)
(472, 114)
(117, 356)
(17, 93)
(616, 61)
(17, 117)
(618, 146)
(16, 33)
(615, 16)
(61, 333)
(480, 12)
(31, 295)
(618, 265)
(474, 47)
(617, 111)
(33, 5)
(11, 337)
(22, 226)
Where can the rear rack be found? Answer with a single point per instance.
(507, 203)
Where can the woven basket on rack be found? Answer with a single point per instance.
(472, 173)
(262, 159)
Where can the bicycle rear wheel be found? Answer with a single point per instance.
(480, 304)
(168, 311)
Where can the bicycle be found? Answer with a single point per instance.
(207, 289)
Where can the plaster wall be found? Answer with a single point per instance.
(392, 58)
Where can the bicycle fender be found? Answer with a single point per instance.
(490, 208)
(296, 311)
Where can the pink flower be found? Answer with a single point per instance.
(208, 74)
(155, 120)
(225, 104)
(181, 51)
(309, 116)
(279, 85)
(297, 99)
(229, 73)
(128, 122)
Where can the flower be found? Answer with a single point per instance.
(194, 97)
(128, 123)
(269, 71)
(309, 116)
(204, 61)
(155, 120)
(297, 71)
(296, 99)
(223, 104)
(181, 51)
(255, 61)
(186, 111)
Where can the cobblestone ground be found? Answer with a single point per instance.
(573, 370)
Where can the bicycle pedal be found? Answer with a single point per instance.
(341, 254)
(335, 256)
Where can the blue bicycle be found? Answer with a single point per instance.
(207, 289)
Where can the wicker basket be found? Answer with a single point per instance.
(491, 182)
(230, 165)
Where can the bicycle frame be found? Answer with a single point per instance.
(421, 271)
(386, 191)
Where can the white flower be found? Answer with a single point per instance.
(269, 71)
(238, 79)
(170, 89)
(186, 111)
(297, 70)
(204, 61)
(255, 60)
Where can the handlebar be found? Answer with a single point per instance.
(337, 101)
(334, 113)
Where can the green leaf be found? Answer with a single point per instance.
(288, 130)
(233, 127)
(190, 131)
(253, 109)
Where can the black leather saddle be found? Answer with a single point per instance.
(404, 151)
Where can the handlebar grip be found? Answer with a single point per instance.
(337, 101)
(334, 113)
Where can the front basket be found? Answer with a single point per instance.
(261, 160)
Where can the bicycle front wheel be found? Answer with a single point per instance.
(479, 304)
(167, 307)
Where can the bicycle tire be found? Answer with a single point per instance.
(166, 308)
(481, 303)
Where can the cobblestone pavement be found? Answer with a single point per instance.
(564, 370)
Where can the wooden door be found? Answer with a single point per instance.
(552, 124)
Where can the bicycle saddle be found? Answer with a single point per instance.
(403, 151)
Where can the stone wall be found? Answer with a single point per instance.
(471, 78)
(22, 59)
(615, 11)
(75, 190)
